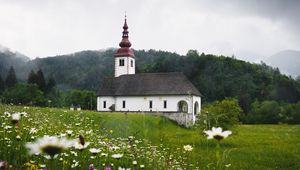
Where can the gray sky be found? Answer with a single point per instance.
(249, 29)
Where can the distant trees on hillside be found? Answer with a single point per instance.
(216, 77)
(41, 92)
(11, 78)
(2, 85)
(39, 80)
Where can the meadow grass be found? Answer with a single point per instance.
(249, 147)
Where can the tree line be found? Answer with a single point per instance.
(39, 91)
(216, 77)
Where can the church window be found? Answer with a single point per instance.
(165, 104)
(150, 104)
(124, 103)
(121, 62)
(131, 63)
(104, 104)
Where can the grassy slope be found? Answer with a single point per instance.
(250, 146)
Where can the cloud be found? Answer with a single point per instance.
(243, 28)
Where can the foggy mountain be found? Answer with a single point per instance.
(287, 61)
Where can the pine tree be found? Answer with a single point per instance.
(11, 78)
(2, 85)
(32, 78)
(51, 84)
(40, 80)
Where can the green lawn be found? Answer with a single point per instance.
(249, 147)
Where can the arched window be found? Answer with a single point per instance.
(196, 108)
(182, 106)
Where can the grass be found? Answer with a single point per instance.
(249, 147)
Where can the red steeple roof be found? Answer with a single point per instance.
(125, 44)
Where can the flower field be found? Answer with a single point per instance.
(48, 138)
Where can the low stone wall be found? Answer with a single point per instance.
(183, 119)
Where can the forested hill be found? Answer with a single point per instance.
(216, 77)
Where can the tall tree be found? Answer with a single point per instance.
(2, 85)
(32, 78)
(40, 80)
(11, 78)
(50, 84)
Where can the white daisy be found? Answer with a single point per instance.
(50, 145)
(69, 132)
(216, 133)
(15, 118)
(94, 150)
(7, 114)
(117, 156)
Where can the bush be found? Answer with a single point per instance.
(272, 112)
(223, 114)
(27, 94)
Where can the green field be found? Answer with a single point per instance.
(158, 142)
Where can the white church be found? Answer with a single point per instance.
(146, 92)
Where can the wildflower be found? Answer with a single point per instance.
(117, 156)
(69, 132)
(43, 167)
(188, 148)
(134, 162)
(111, 131)
(228, 165)
(142, 166)
(18, 137)
(91, 167)
(15, 118)
(81, 144)
(104, 154)
(3, 164)
(107, 168)
(23, 114)
(32, 131)
(94, 150)
(114, 148)
(73, 153)
(50, 145)
(216, 133)
(7, 114)
(7, 127)
(75, 164)
(31, 166)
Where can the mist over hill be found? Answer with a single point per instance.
(287, 61)
(15, 59)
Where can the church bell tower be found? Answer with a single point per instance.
(124, 57)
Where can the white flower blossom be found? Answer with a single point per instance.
(188, 148)
(217, 133)
(94, 150)
(117, 156)
(50, 145)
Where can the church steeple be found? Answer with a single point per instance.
(124, 56)
(125, 43)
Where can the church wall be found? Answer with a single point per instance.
(142, 103)
(109, 101)
(197, 99)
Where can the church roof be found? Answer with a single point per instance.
(174, 83)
